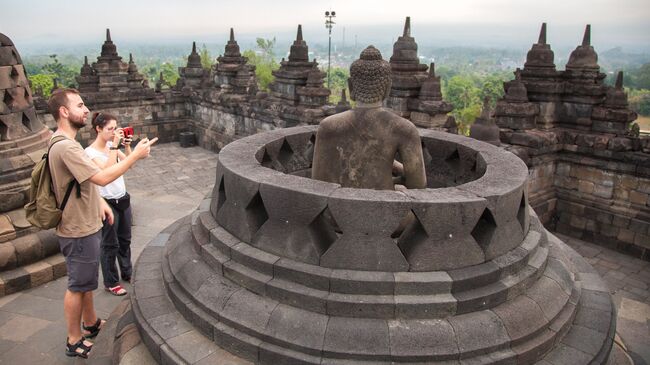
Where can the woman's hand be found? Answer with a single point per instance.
(118, 137)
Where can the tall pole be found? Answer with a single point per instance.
(329, 23)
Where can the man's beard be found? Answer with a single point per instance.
(77, 122)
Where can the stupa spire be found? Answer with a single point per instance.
(619, 80)
(407, 27)
(108, 35)
(586, 39)
(542, 34)
(299, 35)
(232, 35)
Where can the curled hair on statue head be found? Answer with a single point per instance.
(370, 77)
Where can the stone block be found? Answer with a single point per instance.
(362, 282)
(584, 339)
(7, 256)
(39, 273)
(296, 227)
(297, 295)
(247, 311)
(586, 187)
(298, 329)
(253, 258)
(424, 340)
(422, 283)
(429, 306)
(270, 354)
(242, 275)
(223, 240)
(522, 318)
(479, 333)
(481, 298)
(549, 295)
(438, 236)
(309, 275)
(367, 306)
(474, 276)
(28, 249)
(192, 275)
(595, 319)
(346, 337)
(637, 197)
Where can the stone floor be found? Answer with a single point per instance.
(170, 185)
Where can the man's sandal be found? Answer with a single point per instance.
(72, 350)
(93, 330)
(116, 290)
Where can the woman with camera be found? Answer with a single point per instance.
(116, 238)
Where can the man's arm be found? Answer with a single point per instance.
(110, 173)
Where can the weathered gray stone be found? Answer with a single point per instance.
(479, 333)
(422, 340)
(350, 338)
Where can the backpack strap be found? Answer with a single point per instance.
(55, 139)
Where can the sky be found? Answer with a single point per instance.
(498, 23)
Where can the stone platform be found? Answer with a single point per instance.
(32, 326)
(230, 281)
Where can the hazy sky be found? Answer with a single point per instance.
(463, 22)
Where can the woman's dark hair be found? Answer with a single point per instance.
(100, 120)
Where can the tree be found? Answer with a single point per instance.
(206, 59)
(64, 74)
(170, 73)
(42, 82)
(264, 62)
(267, 47)
(463, 94)
(338, 81)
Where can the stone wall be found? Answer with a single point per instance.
(611, 208)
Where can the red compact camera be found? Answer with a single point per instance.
(128, 131)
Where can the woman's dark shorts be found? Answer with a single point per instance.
(82, 260)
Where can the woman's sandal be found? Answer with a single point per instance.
(116, 290)
(93, 330)
(72, 350)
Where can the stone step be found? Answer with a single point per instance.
(213, 293)
(346, 293)
(21, 143)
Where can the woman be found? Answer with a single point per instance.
(116, 238)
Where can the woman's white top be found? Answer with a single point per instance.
(114, 190)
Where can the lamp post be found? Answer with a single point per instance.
(329, 23)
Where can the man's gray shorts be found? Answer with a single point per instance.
(82, 260)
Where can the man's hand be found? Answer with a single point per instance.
(107, 213)
(143, 148)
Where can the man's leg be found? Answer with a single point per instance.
(72, 304)
(88, 313)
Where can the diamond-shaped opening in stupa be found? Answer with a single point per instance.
(484, 229)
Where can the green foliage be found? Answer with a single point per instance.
(267, 47)
(338, 81)
(64, 73)
(264, 62)
(466, 94)
(170, 73)
(42, 82)
(639, 100)
(206, 59)
(642, 76)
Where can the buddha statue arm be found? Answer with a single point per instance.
(410, 151)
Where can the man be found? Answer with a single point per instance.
(79, 231)
(357, 148)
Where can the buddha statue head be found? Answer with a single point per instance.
(370, 77)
